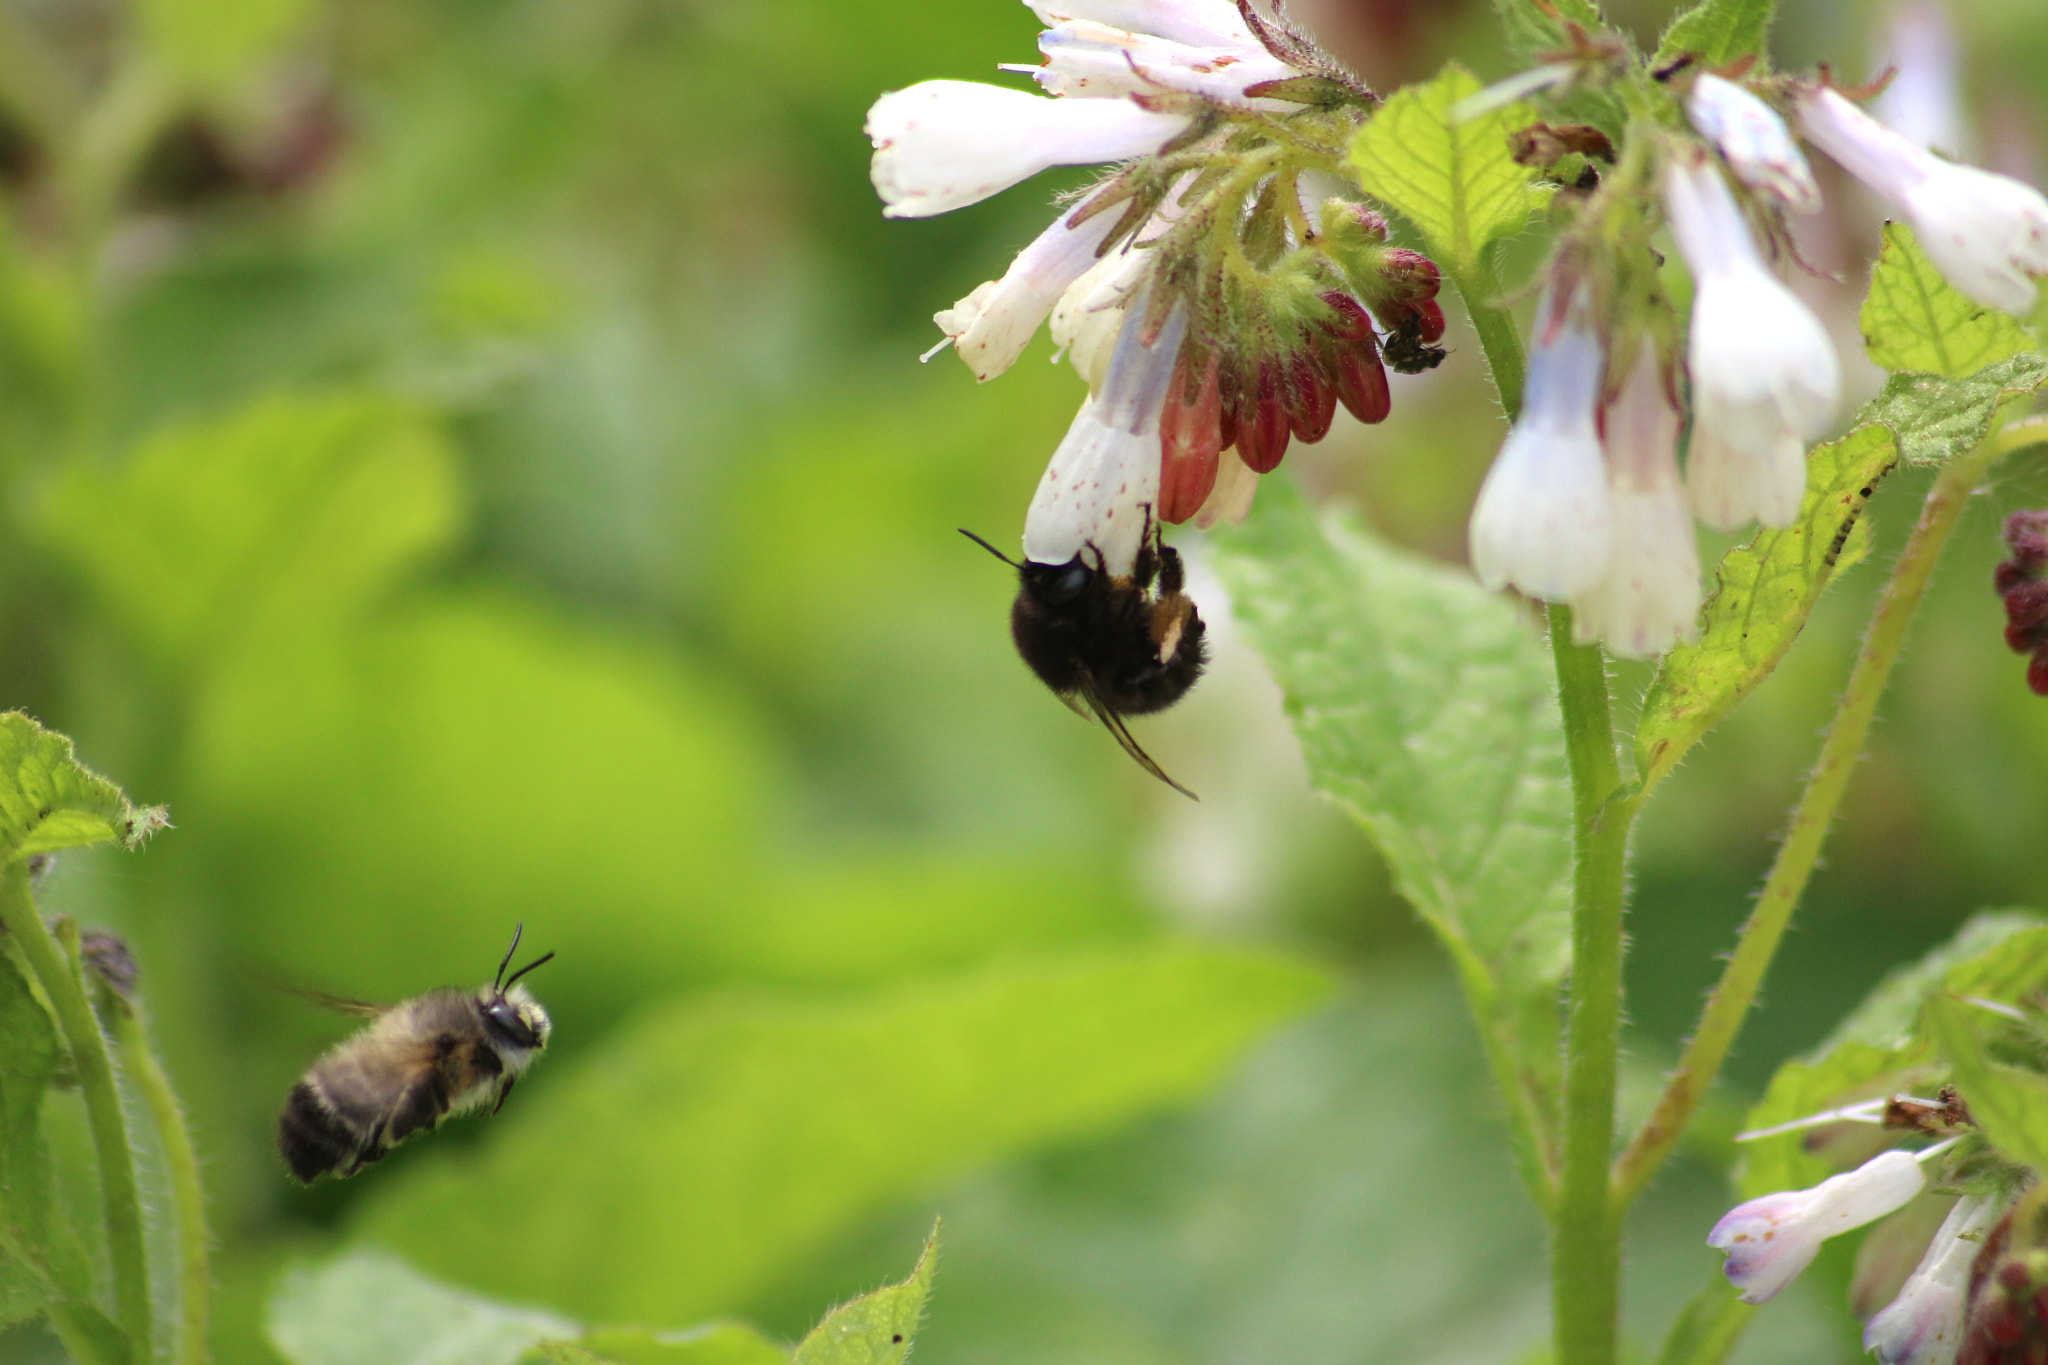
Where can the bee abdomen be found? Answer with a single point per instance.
(312, 1138)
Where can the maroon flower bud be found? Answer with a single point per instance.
(2027, 534)
(1372, 224)
(1361, 379)
(2026, 609)
(1410, 276)
(1190, 439)
(2037, 673)
(1311, 402)
(1262, 427)
(2021, 583)
(1350, 321)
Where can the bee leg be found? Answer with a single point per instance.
(1173, 575)
(503, 1091)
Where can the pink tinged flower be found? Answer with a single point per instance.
(1544, 521)
(1770, 1240)
(942, 145)
(992, 325)
(1198, 23)
(1103, 480)
(1090, 60)
(1924, 1324)
(1987, 233)
(1754, 140)
(1764, 374)
(1649, 597)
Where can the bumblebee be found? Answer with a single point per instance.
(445, 1052)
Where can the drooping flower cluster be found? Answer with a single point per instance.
(2023, 582)
(1759, 377)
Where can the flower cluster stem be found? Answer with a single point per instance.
(1586, 1222)
(1726, 1008)
(120, 1197)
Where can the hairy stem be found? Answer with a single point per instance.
(188, 1195)
(1726, 1008)
(1498, 339)
(120, 1198)
(1586, 1223)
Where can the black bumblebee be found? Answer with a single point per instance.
(1115, 645)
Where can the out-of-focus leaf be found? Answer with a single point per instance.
(1536, 28)
(2010, 1105)
(89, 1335)
(1424, 708)
(1457, 182)
(1999, 954)
(1709, 1326)
(370, 1308)
(50, 801)
(1766, 591)
(1848, 1073)
(1719, 31)
(299, 507)
(1936, 419)
(739, 1133)
(28, 1276)
(1913, 319)
(877, 1328)
(723, 1343)
(210, 40)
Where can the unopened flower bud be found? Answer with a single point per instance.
(2022, 582)
(1758, 147)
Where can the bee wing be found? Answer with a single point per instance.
(1114, 723)
(340, 1004)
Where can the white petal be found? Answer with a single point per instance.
(1770, 1240)
(941, 145)
(1200, 23)
(1758, 146)
(1732, 485)
(1095, 61)
(1544, 520)
(992, 325)
(1924, 1324)
(1873, 153)
(1231, 499)
(1987, 233)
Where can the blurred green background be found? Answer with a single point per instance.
(469, 459)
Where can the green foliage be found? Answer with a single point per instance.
(49, 801)
(1709, 1327)
(209, 41)
(370, 1308)
(1423, 707)
(796, 1119)
(1456, 182)
(876, 1328)
(1718, 32)
(1936, 419)
(1535, 29)
(2010, 1105)
(1913, 319)
(722, 1343)
(37, 1255)
(1999, 955)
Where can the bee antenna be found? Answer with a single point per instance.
(544, 957)
(990, 548)
(499, 983)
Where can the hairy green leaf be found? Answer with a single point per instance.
(91, 1337)
(2000, 955)
(876, 1328)
(1537, 30)
(370, 1308)
(1719, 31)
(50, 801)
(1851, 1072)
(1709, 1325)
(722, 1343)
(28, 1060)
(1457, 182)
(1913, 319)
(1936, 419)
(1424, 707)
(302, 508)
(2009, 1105)
(741, 1132)
(1766, 590)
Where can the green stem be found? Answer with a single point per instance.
(1498, 339)
(1729, 1004)
(188, 1195)
(1586, 1223)
(119, 1195)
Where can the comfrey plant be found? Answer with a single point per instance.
(1268, 241)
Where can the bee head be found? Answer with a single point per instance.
(515, 1018)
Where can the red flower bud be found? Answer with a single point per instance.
(1190, 432)
(2026, 606)
(1372, 224)
(2037, 673)
(1361, 379)
(1262, 429)
(1351, 321)
(1410, 276)
(1311, 403)
(2027, 534)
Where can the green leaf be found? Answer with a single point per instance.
(1913, 319)
(370, 1308)
(1536, 30)
(298, 509)
(27, 1062)
(1424, 707)
(741, 1132)
(49, 801)
(1719, 31)
(1999, 955)
(89, 1335)
(1709, 1325)
(1936, 419)
(721, 1343)
(1851, 1072)
(876, 1328)
(1457, 183)
(1767, 588)
(208, 41)
(2009, 1105)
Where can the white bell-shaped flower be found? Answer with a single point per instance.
(1764, 375)
(1771, 1239)
(1987, 233)
(1094, 61)
(1197, 23)
(1759, 148)
(1544, 521)
(1924, 1324)
(992, 326)
(1649, 597)
(942, 145)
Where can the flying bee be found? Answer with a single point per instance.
(1102, 615)
(445, 1052)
